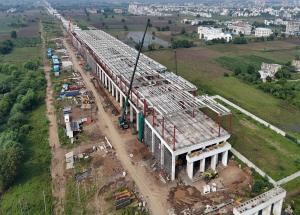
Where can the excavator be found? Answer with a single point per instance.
(123, 123)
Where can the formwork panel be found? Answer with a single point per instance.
(91, 62)
(148, 136)
(157, 150)
(167, 161)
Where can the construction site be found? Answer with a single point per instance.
(175, 137)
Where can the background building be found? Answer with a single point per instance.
(210, 33)
(263, 32)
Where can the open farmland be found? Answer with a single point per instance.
(25, 23)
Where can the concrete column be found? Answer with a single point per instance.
(225, 158)
(267, 210)
(202, 165)
(213, 163)
(277, 207)
(190, 169)
(109, 85)
(117, 95)
(113, 90)
(153, 142)
(121, 100)
(137, 120)
(162, 154)
(131, 113)
(173, 167)
(105, 80)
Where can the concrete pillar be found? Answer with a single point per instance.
(153, 142)
(173, 167)
(162, 154)
(277, 207)
(213, 163)
(131, 113)
(105, 80)
(121, 100)
(117, 95)
(267, 210)
(113, 90)
(109, 85)
(225, 158)
(190, 169)
(202, 165)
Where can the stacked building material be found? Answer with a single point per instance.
(123, 199)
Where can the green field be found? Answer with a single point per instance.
(20, 55)
(26, 195)
(204, 66)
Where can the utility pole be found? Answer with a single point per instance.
(175, 57)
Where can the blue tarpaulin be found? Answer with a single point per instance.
(55, 62)
(56, 68)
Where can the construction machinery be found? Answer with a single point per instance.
(123, 123)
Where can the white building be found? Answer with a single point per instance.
(263, 32)
(210, 33)
(240, 28)
(293, 28)
(296, 64)
(268, 70)
(118, 11)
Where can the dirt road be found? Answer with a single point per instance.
(58, 154)
(157, 203)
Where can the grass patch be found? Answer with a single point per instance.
(77, 197)
(26, 196)
(242, 62)
(274, 154)
(20, 55)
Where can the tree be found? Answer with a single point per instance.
(6, 47)
(239, 40)
(237, 71)
(31, 65)
(151, 47)
(138, 45)
(181, 44)
(9, 163)
(183, 31)
(10, 158)
(251, 69)
(13, 34)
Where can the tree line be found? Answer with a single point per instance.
(21, 90)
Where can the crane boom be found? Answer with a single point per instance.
(122, 118)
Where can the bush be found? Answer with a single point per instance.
(13, 34)
(6, 47)
(181, 44)
(240, 40)
(260, 186)
(32, 65)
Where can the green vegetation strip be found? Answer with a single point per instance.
(33, 182)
